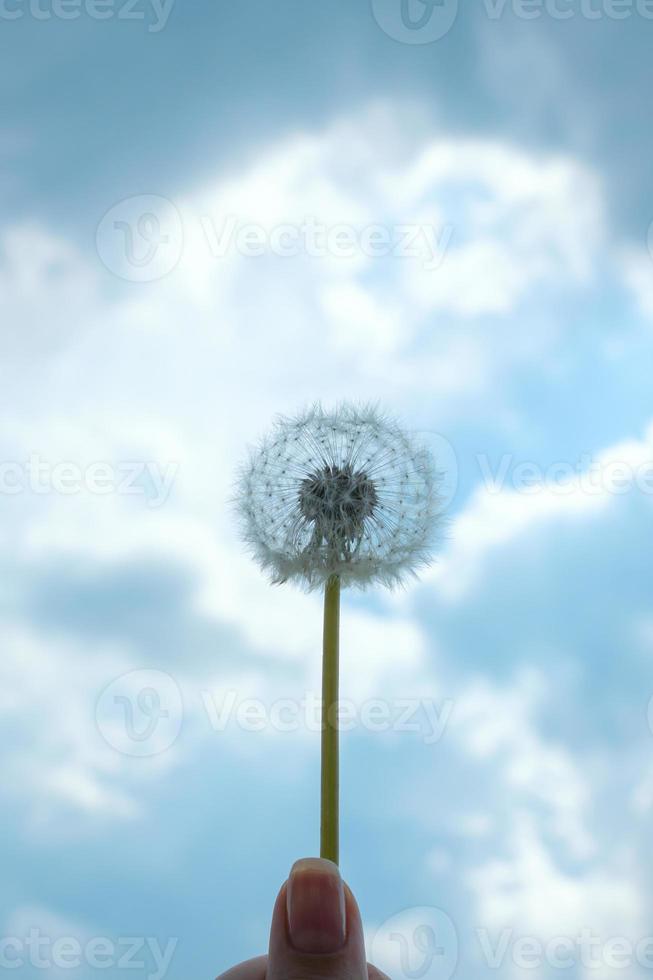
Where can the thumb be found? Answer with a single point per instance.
(316, 932)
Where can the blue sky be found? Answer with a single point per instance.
(211, 213)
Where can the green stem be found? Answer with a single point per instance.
(330, 778)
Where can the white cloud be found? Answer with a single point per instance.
(361, 324)
(497, 514)
(637, 271)
(47, 289)
(531, 896)
(499, 727)
(58, 760)
(189, 368)
(516, 220)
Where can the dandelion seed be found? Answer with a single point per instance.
(338, 498)
(354, 497)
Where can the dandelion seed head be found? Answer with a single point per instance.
(339, 493)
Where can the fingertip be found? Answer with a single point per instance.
(254, 969)
(354, 920)
(279, 926)
(373, 973)
(323, 938)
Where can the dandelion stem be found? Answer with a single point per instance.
(330, 776)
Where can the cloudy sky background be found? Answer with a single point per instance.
(144, 345)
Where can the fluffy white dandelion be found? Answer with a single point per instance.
(343, 493)
(330, 498)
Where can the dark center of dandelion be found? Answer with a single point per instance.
(337, 500)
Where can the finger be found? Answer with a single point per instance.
(251, 970)
(375, 974)
(316, 927)
(256, 969)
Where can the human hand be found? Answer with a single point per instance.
(316, 933)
